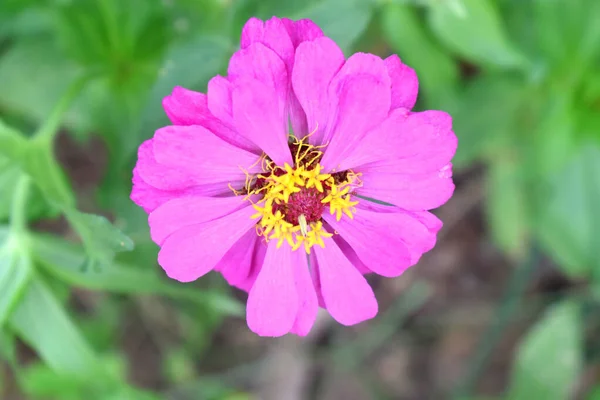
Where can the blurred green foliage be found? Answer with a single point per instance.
(521, 79)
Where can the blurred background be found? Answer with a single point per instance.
(506, 306)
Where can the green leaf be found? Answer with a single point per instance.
(194, 17)
(22, 17)
(36, 159)
(590, 90)
(486, 115)
(12, 142)
(39, 162)
(567, 32)
(549, 359)
(179, 366)
(40, 381)
(7, 346)
(568, 214)
(101, 239)
(111, 32)
(42, 322)
(4, 231)
(517, 17)
(34, 75)
(83, 32)
(594, 393)
(507, 207)
(588, 122)
(9, 175)
(64, 260)
(15, 273)
(437, 71)
(123, 42)
(473, 29)
(37, 207)
(553, 138)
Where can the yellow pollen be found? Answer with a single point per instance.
(277, 185)
(315, 178)
(339, 202)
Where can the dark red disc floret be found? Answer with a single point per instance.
(306, 202)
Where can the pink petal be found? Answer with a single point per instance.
(219, 99)
(413, 143)
(423, 142)
(363, 103)
(297, 116)
(347, 295)
(361, 64)
(258, 259)
(387, 243)
(253, 31)
(190, 210)
(273, 34)
(258, 62)
(204, 157)
(195, 250)
(273, 300)
(168, 178)
(377, 144)
(405, 85)
(361, 93)
(149, 198)
(371, 238)
(314, 273)
(427, 219)
(351, 255)
(302, 30)
(160, 176)
(186, 107)
(236, 264)
(415, 192)
(315, 65)
(258, 118)
(433, 223)
(307, 296)
(146, 196)
(430, 221)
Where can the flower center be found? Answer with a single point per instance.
(293, 198)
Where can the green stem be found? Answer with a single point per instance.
(18, 210)
(48, 130)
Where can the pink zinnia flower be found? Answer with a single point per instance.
(268, 178)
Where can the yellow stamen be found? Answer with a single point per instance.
(277, 189)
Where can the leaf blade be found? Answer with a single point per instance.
(550, 357)
(473, 30)
(41, 321)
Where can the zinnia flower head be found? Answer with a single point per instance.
(270, 177)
